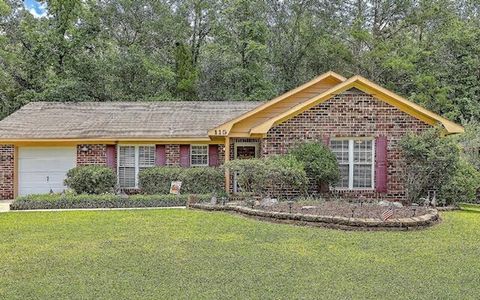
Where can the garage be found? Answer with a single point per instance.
(43, 169)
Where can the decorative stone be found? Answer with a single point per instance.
(266, 202)
(389, 203)
(213, 201)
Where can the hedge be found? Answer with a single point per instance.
(202, 180)
(59, 201)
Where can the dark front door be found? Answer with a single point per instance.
(244, 151)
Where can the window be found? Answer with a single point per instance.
(131, 161)
(198, 155)
(355, 159)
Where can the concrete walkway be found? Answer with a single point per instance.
(5, 207)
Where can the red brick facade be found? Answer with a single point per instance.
(351, 114)
(94, 154)
(7, 167)
(172, 153)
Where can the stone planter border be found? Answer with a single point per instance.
(369, 224)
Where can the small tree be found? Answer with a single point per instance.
(470, 143)
(430, 160)
(462, 186)
(319, 162)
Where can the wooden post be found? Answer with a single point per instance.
(227, 158)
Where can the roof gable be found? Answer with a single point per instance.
(368, 87)
(243, 123)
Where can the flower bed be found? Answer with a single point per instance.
(335, 215)
(58, 201)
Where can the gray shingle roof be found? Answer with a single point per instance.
(137, 120)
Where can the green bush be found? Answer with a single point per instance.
(157, 180)
(66, 201)
(431, 160)
(271, 176)
(200, 180)
(91, 179)
(319, 161)
(462, 186)
(251, 174)
(286, 173)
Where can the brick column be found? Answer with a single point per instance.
(7, 175)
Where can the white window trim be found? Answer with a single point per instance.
(137, 161)
(351, 141)
(208, 155)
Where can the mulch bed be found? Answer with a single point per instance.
(343, 209)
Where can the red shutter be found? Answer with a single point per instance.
(326, 140)
(213, 155)
(185, 155)
(111, 156)
(160, 155)
(381, 171)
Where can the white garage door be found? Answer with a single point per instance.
(42, 169)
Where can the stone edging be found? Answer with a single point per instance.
(426, 220)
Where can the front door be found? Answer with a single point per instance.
(244, 151)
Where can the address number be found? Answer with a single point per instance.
(220, 132)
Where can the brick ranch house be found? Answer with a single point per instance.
(359, 120)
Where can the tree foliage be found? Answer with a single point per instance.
(431, 161)
(156, 50)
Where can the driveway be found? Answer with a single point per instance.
(5, 205)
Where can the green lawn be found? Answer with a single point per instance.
(166, 254)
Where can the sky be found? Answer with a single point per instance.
(37, 9)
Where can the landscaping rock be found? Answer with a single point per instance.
(266, 202)
(389, 203)
(213, 201)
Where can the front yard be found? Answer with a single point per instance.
(194, 254)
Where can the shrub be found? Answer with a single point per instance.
(59, 201)
(431, 161)
(271, 176)
(320, 163)
(252, 174)
(286, 173)
(200, 180)
(462, 186)
(157, 180)
(91, 179)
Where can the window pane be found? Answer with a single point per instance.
(362, 151)
(362, 176)
(126, 177)
(199, 155)
(126, 166)
(344, 171)
(340, 149)
(146, 156)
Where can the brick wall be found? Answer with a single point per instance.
(96, 154)
(172, 153)
(7, 166)
(351, 114)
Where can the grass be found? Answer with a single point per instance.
(165, 254)
(470, 206)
